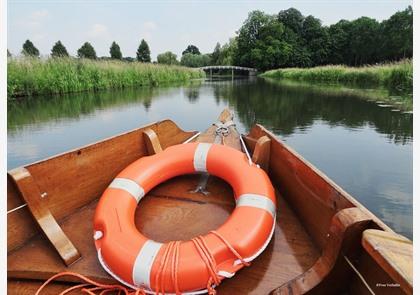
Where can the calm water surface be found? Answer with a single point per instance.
(365, 148)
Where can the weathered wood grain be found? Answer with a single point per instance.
(394, 253)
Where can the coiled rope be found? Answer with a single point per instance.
(171, 253)
(93, 286)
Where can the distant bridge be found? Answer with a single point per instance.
(211, 69)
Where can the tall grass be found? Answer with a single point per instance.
(33, 76)
(398, 75)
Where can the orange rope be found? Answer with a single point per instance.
(97, 286)
(230, 247)
(175, 262)
(171, 253)
(160, 283)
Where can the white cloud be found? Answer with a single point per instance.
(34, 21)
(98, 31)
(149, 26)
(39, 14)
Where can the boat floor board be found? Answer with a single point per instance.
(169, 212)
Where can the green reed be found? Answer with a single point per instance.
(33, 76)
(397, 76)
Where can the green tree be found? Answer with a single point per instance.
(28, 49)
(167, 58)
(216, 55)
(364, 36)
(191, 49)
(86, 51)
(339, 33)
(228, 51)
(261, 44)
(291, 18)
(290, 39)
(115, 51)
(317, 40)
(195, 60)
(58, 50)
(143, 52)
(397, 35)
(8, 53)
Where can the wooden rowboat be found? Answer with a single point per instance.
(325, 242)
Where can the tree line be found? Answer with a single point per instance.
(286, 39)
(87, 51)
(290, 39)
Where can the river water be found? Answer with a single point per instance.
(364, 148)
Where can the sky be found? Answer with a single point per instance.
(165, 25)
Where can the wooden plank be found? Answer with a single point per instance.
(172, 212)
(314, 197)
(261, 155)
(28, 287)
(152, 142)
(375, 276)
(75, 178)
(231, 140)
(394, 253)
(40, 212)
(344, 237)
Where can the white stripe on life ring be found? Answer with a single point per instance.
(143, 265)
(257, 201)
(130, 186)
(200, 157)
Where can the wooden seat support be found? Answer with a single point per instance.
(344, 236)
(37, 205)
(152, 142)
(261, 155)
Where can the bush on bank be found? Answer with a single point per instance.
(397, 75)
(33, 76)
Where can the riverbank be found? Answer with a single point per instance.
(396, 77)
(34, 76)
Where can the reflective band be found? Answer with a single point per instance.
(200, 157)
(257, 201)
(129, 186)
(144, 262)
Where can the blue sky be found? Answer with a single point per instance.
(166, 25)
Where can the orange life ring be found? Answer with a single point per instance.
(139, 262)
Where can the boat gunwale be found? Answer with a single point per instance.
(85, 146)
(327, 179)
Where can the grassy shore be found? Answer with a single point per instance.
(397, 77)
(33, 76)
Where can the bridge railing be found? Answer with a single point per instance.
(229, 68)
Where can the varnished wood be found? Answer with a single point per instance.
(210, 134)
(73, 179)
(318, 223)
(316, 199)
(152, 142)
(261, 155)
(345, 230)
(392, 252)
(38, 207)
(376, 277)
(163, 215)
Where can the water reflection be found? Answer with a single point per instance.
(366, 149)
(286, 108)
